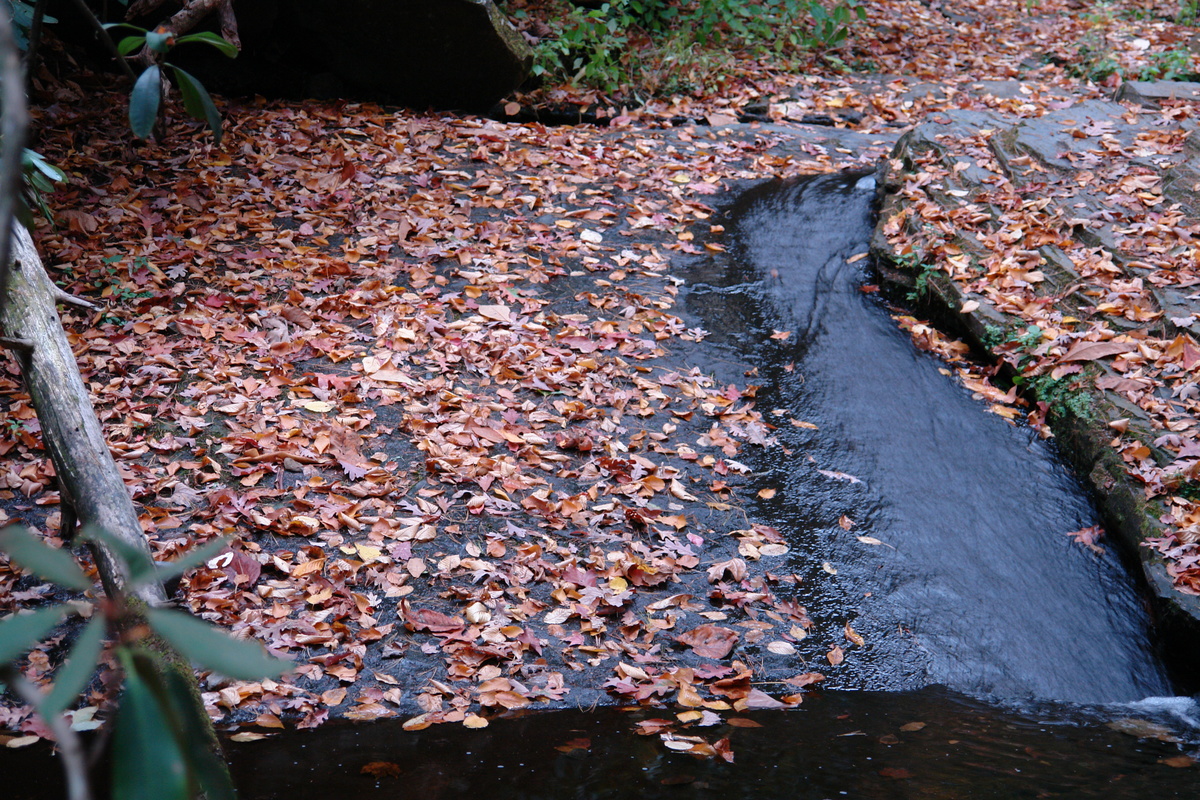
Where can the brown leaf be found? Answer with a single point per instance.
(381, 769)
(709, 641)
(835, 656)
(1091, 351)
(426, 619)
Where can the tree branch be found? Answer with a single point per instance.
(102, 32)
(190, 15)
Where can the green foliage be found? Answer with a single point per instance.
(160, 729)
(22, 14)
(1170, 65)
(624, 41)
(145, 99)
(1093, 62)
(993, 336)
(586, 49)
(1060, 395)
(40, 177)
(1188, 12)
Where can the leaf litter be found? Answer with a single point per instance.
(420, 367)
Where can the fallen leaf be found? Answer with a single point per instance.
(709, 641)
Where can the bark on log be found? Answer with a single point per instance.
(90, 483)
(188, 17)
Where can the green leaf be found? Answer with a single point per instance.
(207, 646)
(206, 766)
(147, 761)
(20, 632)
(197, 102)
(129, 44)
(143, 102)
(191, 559)
(77, 672)
(112, 26)
(159, 42)
(210, 38)
(36, 160)
(43, 560)
(141, 567)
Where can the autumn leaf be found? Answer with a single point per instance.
(709, 641)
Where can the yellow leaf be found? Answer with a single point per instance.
(767, 494)
(475, 721)
(368, 552)
(319, 406)
(679, 491)
(618, 584)
(497, 313)
(417, 723)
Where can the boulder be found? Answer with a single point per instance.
(446, 54)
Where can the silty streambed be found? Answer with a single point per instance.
(977, 586)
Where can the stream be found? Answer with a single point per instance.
(977, 585)
(1001, 658)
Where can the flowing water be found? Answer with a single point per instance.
(978, 585)
(1002, 660)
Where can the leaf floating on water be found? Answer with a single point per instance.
(841, 476)
(742, 722)
(1143, 729)
(854, 636)
(845, 522)
(381, 769)
(767, 494)
(580, 743)
(909, 727)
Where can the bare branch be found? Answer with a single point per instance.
(70, 299)
(102, 32)
(20, 345)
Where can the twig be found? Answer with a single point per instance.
(12, 148)
(35, 34)
(69, 745)
(20, 345)
(70, 299)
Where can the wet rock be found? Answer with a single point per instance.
(1152, 93)
(1071, 163)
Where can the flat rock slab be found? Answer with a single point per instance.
(1152, 93)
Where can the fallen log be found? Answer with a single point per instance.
(91, 487)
